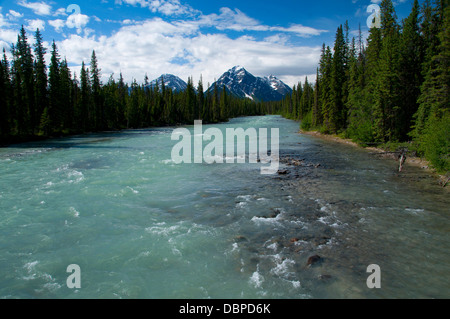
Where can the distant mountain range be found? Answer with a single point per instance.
(237, 81)
(170, 81)
(240, 82)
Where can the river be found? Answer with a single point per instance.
(140, 226)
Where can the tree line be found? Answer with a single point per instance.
(394, 88)
(39, 101)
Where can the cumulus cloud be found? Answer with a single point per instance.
(166, 7)
(155, 47)
(236, 20)
(35, 24)
(39, 8)
(74, 21)
(177, 44)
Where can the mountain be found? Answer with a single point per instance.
(278, 85)
(170, 81)
(243, 84)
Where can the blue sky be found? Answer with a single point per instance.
(189, 38)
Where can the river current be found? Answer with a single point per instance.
(140, 226)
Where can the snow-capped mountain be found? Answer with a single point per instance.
(241, 83)
(170, 81)
(278, 85)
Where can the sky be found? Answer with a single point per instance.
(189, 38)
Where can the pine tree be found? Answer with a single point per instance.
(203, 114)
(68, 109)
(122, 94)
(24, 85)
(336, 112)
(432, 125)
(326, 88)
(55, 108)
(316, 111)
(5, 88)
(223, 104)
(386, 95)
(410, 75)
(98, 120)
(84, 113)
(40, 74)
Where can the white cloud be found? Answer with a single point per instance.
(74, 21)
(35, 24)
(236, 20)
(12, 15)
(167, 7)
(60, 12)
(152, 46)
(39, 8)
(58, 24)
(77, 21)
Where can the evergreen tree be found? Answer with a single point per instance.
(326, 96)
(386, 95)
(40, 74)
(56, 102)
(67, 109)
(433, 117)
(84, 113)
(223, 104)
(5, 87)
(24, 85)
(410, 75)
(203, 114)
(316, 111)
(98, 113)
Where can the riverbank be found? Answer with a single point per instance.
(422, 163)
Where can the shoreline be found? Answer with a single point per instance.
(425, 165)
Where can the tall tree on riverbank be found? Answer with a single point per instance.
(394, 88)
(410, 70)
(41, 80)
(98, 112)
(23, 85)
(4, 96)
(433, 116)
(54, 116)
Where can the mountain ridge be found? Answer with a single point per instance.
(241, 83)
(237, 81)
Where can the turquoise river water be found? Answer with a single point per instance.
(140, 226)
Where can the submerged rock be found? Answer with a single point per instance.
(313, 260)
(325, 277)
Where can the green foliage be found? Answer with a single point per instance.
(306, 123)
(435, 142)
(395, 88)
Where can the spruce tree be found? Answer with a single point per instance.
(41, 80)
(24, 85)
(201, 101)
(432, 125)
(5, 88)
(326, 96)
(68, 109)
(410, 71)
(98, 120)
(386, 94)
(84, 113)
(56, 103)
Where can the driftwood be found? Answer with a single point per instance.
(400, 154)
(402, 160)
(446, 182)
